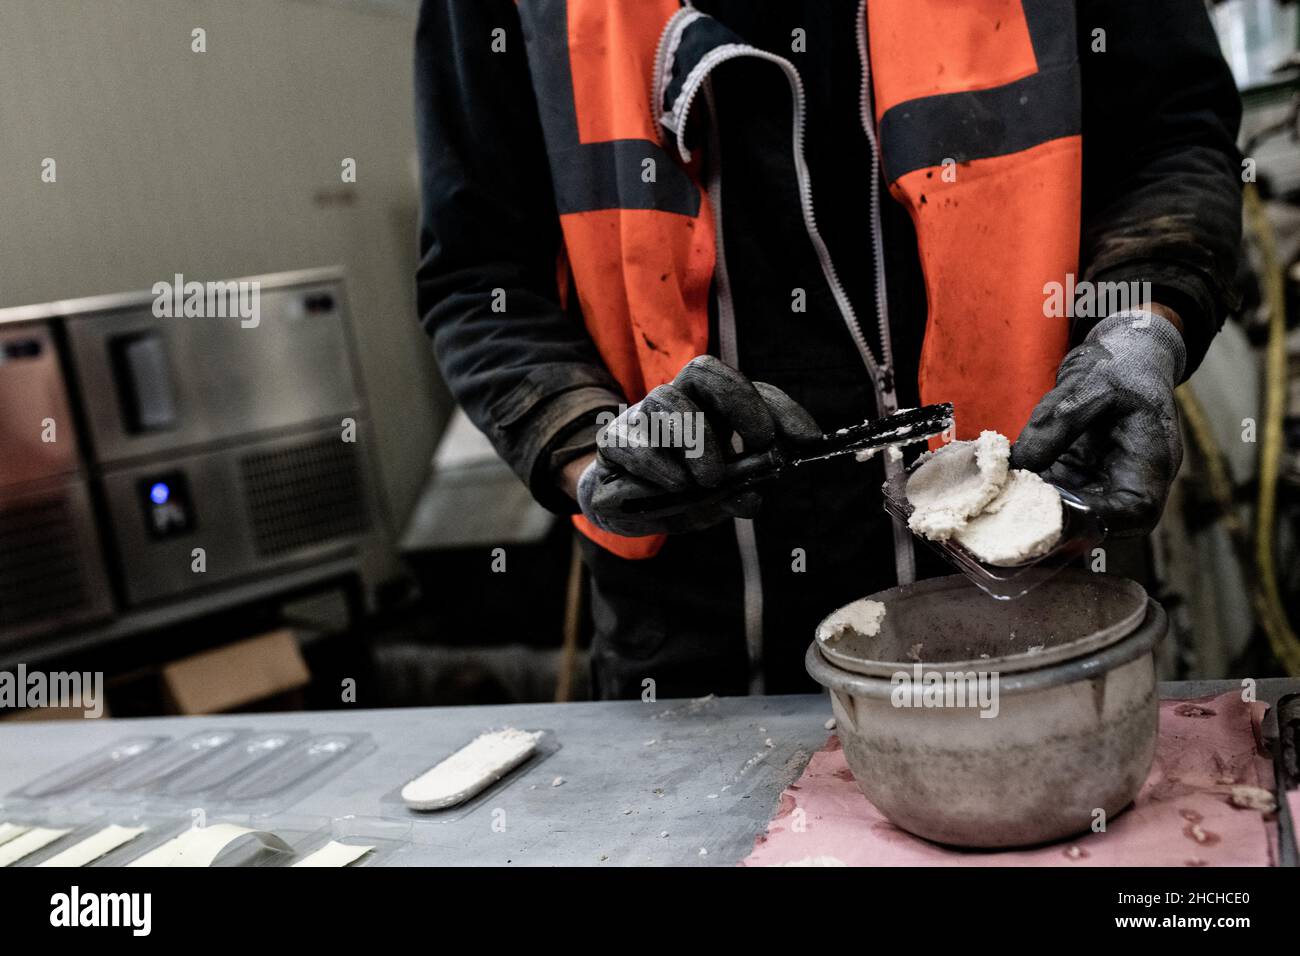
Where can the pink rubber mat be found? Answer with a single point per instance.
(1181, 817)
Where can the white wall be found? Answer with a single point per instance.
(222, 163)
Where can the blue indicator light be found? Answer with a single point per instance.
(159, 493)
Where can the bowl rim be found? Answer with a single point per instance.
(1020, 660)
(1141, 640)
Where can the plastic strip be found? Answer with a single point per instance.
(89, 771)
(28, 843)
(335, 854)
(293, 765)
(95, 846)
(229, 763)
(9, 831)
(177, 758)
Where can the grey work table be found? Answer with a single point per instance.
(643, 783)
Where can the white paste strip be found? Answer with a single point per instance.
(200, 846)
(10, 830)
(94, 846)
(28, 843)
(483, 761)
(335, 854)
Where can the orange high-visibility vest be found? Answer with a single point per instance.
(977, 107)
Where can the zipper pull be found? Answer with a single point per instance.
(885, 379)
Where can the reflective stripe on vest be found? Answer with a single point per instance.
(979, 116)
(638, 231)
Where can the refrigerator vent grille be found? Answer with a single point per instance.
(40, 567)
(304, 495)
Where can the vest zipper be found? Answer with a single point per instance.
(880, 373)
(904, 556)
(882, 383)
(877, 240)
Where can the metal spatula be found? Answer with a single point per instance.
(901, 428)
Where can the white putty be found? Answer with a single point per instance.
(1024, 521)
(1253, 798)
(894, 453)
(483, 761)
(335, 853)
(863, 617)
(953, 484)
(967, 491)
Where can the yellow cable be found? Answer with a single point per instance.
(1217, 479)
(1219, 484)
(1282, 639)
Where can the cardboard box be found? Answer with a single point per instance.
(33, 714)
(236, 675)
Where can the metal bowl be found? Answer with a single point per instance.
(1058, 750)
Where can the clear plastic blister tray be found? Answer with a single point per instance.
(514, 778)
(1081, 532)
(225, 766)
(219, 769)
(294, 771)
(156, 770)
(90, 772)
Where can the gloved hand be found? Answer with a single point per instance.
(1108, 431)
(719, 401)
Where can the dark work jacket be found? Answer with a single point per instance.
(1161, 203)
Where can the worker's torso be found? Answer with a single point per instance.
(724, 236)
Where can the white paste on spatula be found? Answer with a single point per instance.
(11, 851)
(469, 770)
(94, 846)
(335, 854)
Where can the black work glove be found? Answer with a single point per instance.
(718, 401)
(1108, 432)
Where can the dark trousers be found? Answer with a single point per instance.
(677, 619)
